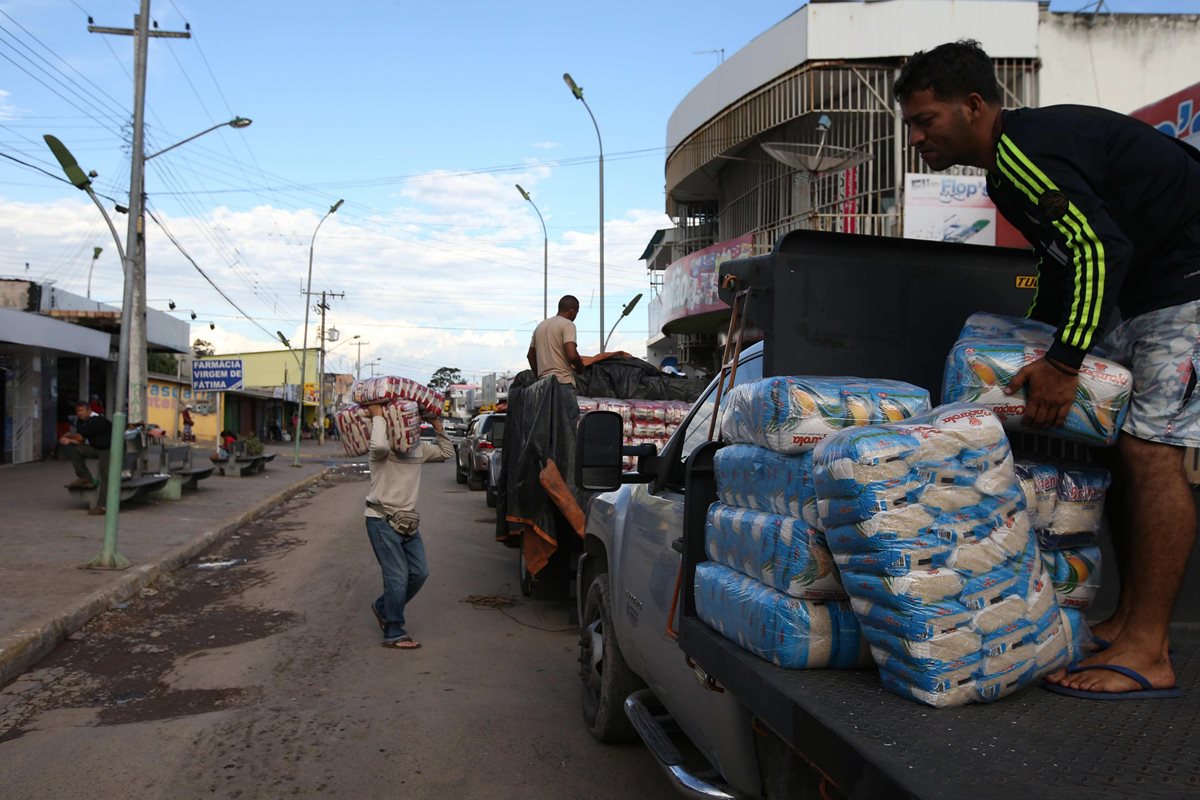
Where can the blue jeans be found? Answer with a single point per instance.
(402, 560)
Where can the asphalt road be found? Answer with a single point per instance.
(265, 678)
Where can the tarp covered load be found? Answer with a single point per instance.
(787, 631)
(621, 375)
(992, 349)
(389, 387)
(927, 523)
(792, 414)
(539, 433)
(403, 419)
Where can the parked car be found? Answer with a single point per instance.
(485, 433)
(493, 476)
(454, 426)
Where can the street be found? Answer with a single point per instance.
(256, 672)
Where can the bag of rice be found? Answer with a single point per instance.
(754, 477)
(793, 414)
(787, 631)
(371, 390)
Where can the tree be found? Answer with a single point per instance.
(200, 347)
(445, 376)
(164, 363)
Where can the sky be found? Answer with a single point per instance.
(422, 116)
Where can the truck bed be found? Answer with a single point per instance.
(1034, 744)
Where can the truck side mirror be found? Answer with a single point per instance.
(598, 451)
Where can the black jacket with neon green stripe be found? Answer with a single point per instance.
(1112, 207)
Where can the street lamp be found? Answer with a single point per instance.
(578, 92)
(545, 255)
(108, 558)
(96, 251)
(304, 351)
(624, 313)
(135, 246)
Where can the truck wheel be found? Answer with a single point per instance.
(491, 496)
(459, 475)
(524, 579)
(474, 481)
(607, 679)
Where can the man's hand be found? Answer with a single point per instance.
(436, 422)
(375, 410)
(1049, 394)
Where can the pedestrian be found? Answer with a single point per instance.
(1112, 208)
(91, 439)
(553, 349)
(393, 524)
(187, 424)
(95, 405)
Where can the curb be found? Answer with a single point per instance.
(26, 646)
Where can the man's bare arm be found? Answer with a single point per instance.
(532, 356)
(573, 356)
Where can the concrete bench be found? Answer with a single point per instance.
(241, 463)
(135, 485)
(177, 463)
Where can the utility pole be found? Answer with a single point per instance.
(358, 360)
(323, 306)
(135, 236)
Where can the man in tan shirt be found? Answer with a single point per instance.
(392, 523)
(553, 349)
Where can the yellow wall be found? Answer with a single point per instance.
(274, 367)
(165, 401)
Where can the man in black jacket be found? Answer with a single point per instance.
(90, 439)
(1112, 208)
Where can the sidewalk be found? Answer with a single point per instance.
(45, 536)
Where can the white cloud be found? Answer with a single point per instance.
(547, 145)
(451, 277)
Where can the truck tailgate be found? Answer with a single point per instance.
(1033, 744)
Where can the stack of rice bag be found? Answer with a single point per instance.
(645, 421)
(928, 526)
(373, 390)
(1066, 508)
(992, 349)
(404, 402)
(403, 419)
(770, 584)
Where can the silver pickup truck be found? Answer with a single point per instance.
(723, 722)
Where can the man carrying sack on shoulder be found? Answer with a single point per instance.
(393, 523)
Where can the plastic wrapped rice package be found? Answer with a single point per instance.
(978, 370)
(1039, 484)
(371, 390)
(754, 477)
(950, 588)
(1075, 574)
(793, 414)
(587, 404)
(1078, 509)
(781, 552)
(403, 420)
(787, 631)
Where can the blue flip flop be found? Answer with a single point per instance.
(1147, 692)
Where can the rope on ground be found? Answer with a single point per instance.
(501, 601)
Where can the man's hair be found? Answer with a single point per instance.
(83, 403)
(952, 70)
(567, 302)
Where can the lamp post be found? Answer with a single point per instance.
(135, 246)
(545, 255)
(96, 251)
(304, 350)
(578, 92)
(624, 313)
(109, 557)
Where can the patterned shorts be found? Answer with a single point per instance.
(1162, 349)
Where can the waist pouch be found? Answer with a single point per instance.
(404, 523)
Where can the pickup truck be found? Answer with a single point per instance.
(724, 723)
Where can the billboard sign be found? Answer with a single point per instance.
(955, 208)
(489, 389)
(690, 283)
(217, 374)
(1177, 115)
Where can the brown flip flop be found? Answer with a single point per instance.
(403, 643)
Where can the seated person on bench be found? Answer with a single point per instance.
(91, 439)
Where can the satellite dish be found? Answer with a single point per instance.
(814, 159)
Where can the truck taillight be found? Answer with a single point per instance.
(486, 445)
